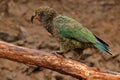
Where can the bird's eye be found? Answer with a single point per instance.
(40, 14)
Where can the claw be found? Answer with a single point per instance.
(58, 54)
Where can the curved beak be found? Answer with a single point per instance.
(34, 16)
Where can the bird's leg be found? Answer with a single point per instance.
(58, 53)
(61, 51)
(80, 53)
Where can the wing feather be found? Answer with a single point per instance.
(70, 28)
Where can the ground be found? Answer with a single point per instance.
(102, 17)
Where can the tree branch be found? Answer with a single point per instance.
(53, 62)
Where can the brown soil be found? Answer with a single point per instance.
(102, 17)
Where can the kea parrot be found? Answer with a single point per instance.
(69, 32)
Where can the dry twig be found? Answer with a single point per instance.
(53, 62)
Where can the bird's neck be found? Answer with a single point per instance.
(48, 24)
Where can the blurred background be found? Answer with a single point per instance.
(102, 17)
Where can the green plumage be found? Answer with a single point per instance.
(70, 33)
(71, 29)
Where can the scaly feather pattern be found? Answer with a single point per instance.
(70, 33)
(70, 28)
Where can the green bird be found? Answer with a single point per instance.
(69, 32)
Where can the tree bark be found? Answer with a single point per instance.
(53, 62)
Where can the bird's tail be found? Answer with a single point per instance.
(102, 47)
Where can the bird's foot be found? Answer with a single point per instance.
(58, 53)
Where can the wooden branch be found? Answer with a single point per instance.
(53, 62)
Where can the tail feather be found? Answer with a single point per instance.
(102, 47)
(101, 41)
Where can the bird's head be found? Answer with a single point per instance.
(43, 14)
